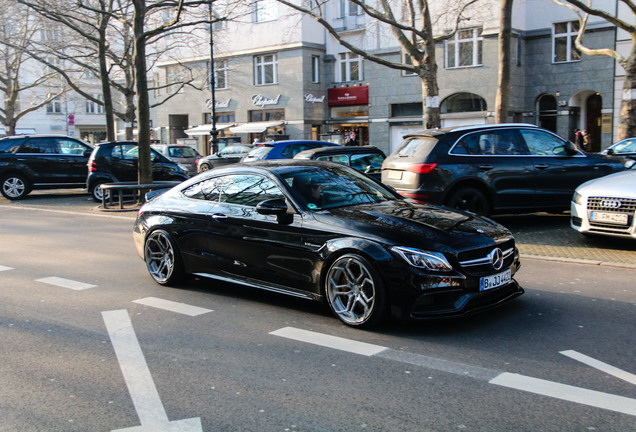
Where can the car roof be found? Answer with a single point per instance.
(341, 150)
(446, 130)
(285, 142)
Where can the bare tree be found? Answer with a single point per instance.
(502, 101)
(627, 10)
(18, 31)
(411, 23)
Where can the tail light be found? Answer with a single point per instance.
(92, 166)
(422, 168)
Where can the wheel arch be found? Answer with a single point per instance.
(473, 183)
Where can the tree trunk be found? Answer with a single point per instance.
(106, 92)
(627, 123)
(502, 101)
(141, 85)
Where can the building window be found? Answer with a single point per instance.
(464, 49)
(54, 107)
(406, 59)
(220, 74)
(349, 8)
(265, 69)
(174, 75)
(93, 107)
(563, 36)
(266, 115)
(350, 67)
(411, 109)
(463, 102)
(263, 10)
(315, 69)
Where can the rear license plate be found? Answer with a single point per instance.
(494, 281)
(395, 175)
(613, 218)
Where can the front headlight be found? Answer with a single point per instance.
(577, 198)
(183, 168)
(423, 259)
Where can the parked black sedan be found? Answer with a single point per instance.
(324, 231)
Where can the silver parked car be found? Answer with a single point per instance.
(186, 156)
(606, 205)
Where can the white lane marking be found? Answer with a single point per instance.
(3, 268)
(75, 213)
(141, 386)
(520, 382)
(603, 367)
(172, 306)
(328, 341)
(66, 283)
(568, 393)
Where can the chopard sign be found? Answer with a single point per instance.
(313, 98)
(260, 100)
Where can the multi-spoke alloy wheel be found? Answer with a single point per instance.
(162, 258)
(354, 291)
(14, 187)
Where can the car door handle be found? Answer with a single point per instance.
(219, 216)
(486, 167)
(541, 166)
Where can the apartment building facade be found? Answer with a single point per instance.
(281, 75)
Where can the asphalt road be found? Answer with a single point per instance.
(90, 343)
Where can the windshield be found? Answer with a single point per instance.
(258, 153)
(319, 188)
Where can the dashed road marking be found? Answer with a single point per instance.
(172, 306)
(3, 268)
(542, 387)
(66, 283)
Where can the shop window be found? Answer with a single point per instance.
(413, 109)
(267, 115)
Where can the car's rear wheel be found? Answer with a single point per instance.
(354, 291)
(15, 187)
(469, 198)
(162, 258)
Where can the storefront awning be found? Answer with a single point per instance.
(255, 127)
(206, 129)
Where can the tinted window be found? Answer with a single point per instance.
(43, 145)
(341, 159)
(182, 152)
(9, 145)
(498, 142)
(243, 189)
(626, 146)
(542, 143)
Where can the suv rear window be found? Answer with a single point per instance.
(418, 147)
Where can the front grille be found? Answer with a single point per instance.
(609, 204)
(477, 262)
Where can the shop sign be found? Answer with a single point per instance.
(310, 98)
(341, 96)
(261, 101)
(217, 104)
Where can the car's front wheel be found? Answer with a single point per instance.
(469, 198)
(162, 258)
(204, 167)
(15, 187)
(354, 291)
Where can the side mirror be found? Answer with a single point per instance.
(274, 206)
(87, 153)
(610, 151)
(570, 149)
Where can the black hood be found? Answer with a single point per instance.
(409, 223)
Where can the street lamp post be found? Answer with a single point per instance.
(214, 133)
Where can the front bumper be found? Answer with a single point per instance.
(581, 220)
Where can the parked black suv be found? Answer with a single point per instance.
(41, 162)
(117, 161)
(493, 168)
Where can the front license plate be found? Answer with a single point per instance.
(494, 281)
(613, 218)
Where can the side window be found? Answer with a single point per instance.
(341, 159)
(542, 143)
(245, 189)
(467, 145)
(367, 163)
(44, 145)
(291, 150)
(499, 143)
(129, 151)
(71, 147)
